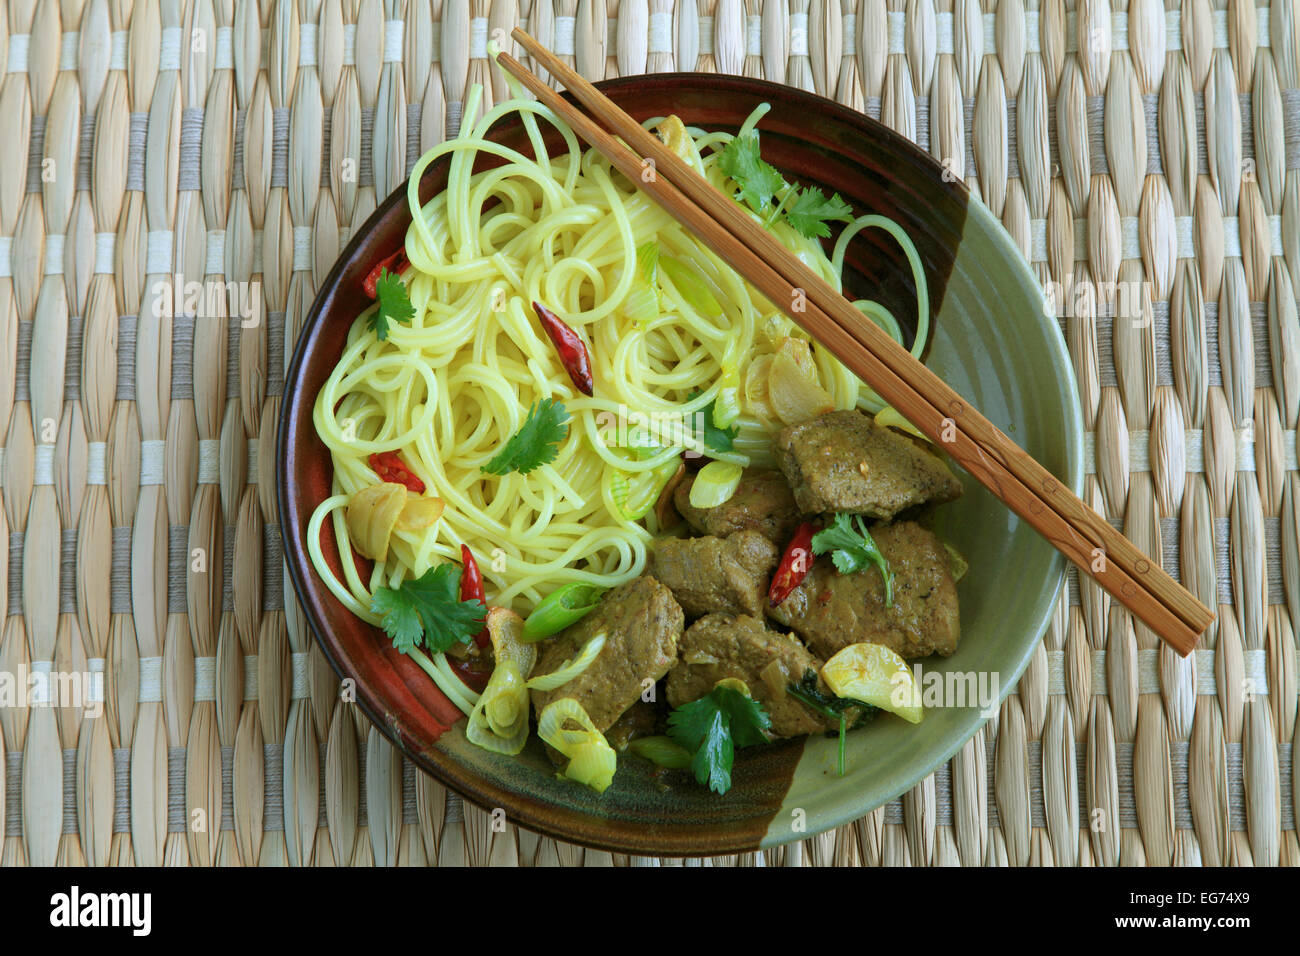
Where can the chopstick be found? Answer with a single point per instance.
(917, 393)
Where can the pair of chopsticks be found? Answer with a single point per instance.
(918, 394)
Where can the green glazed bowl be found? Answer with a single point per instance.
(991, 342)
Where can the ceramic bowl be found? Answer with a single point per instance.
(992, 342)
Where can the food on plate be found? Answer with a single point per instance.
(602, 491)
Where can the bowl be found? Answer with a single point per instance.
(992, 342)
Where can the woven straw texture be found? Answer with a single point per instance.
(1149, 144)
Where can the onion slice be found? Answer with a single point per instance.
(715, 484)
(592, 761)
(571, 668)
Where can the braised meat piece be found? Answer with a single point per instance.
(717, 574)
(830, 610)
(762, 502)
(844, 461)
(722, 645)
(642, 624)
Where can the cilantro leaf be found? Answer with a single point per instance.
(853, 549)
(712, 727)
(399, 617)
(536, 443)
(810, 210)
(428, 610)
(392, 303)
(758, 180)
(715, 438)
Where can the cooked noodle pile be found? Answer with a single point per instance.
(448, 389)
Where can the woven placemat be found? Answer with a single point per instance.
(1124, 146)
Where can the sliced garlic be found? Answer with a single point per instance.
(792, 386)
(673, 133)
(372, 514)
(419, 514)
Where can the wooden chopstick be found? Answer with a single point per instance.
(1112, 547)
(765, 263)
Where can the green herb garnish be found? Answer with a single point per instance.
(392, 303)
(428, 611)
(811, 209)
(743, 163)
(536, 443)
(808, 693)
(713, 727)
(853, 549)
(715, 438)
(807, 210)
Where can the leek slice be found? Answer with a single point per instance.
(635, 493)
(888, 417)
(715, 484)
(571, 668)
(642, 302)
(726, 406)
(499, 720)
(694, 290)
(662, 752)
(592, 761)
(566, 605)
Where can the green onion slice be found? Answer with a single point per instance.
(715, 484)
(566, 605)
(571, 668)
(662, 752)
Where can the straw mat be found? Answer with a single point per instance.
(1133, 145)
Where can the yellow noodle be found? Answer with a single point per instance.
(447, 389)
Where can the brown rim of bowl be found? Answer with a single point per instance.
(378, 235)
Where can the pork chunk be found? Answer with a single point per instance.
(717, 574)
(844, 461)
(762, 502)
(721, 645)
(642, 624)
(830, 610)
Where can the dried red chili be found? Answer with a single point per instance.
(471, 588)
(794, 565)
(573, 351)
(394, 264)
(389, 467)
(474, 673)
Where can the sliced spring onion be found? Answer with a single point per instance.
(571, 668)
(694, 290)
(499, 720)
(726, 407)
(662, 752)
(566, 605)
(642, 302)
(957, 564)
(888, 417)
(635, 493)
(715, 484)
(592, 761)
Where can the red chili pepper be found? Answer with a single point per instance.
(471, 672)
(471, 588)
(394, 264)
(389, 467)
(573, 351)
(794, 564)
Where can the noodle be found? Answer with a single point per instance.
(447, 389)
